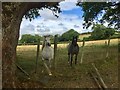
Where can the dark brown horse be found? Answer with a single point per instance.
(73, 49)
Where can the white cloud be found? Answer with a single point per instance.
(68, 5)
(61, 24)
(47, 14)
(76, 26)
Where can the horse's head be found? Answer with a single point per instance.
(74, 40)
(47, 40)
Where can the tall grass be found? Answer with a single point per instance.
(65, 76)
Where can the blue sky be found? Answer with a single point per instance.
(69, 18)
(75, 11)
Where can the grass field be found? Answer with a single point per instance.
(65, 76)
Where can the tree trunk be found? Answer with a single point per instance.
(9, 44)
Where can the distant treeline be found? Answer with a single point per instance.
(99, 32)
(33, 39)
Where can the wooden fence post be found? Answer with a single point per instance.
(83, 42)
(37, 54)
(82, 50)
(107, 50)
(55, 50)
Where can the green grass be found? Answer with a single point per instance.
(72, 77)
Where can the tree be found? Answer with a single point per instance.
(28, 38)
(101, 32)
(68, 35)
(109, 32)
(98, 32)
(12, 14)
(37, 37)
(93, 9)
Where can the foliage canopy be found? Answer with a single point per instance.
(101, 32)
(28, 38)
(68, 35)
(92, 10)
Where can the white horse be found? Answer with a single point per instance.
(47, 52)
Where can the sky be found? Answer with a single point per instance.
(47, 23)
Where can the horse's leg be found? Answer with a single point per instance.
(47, 67)
(50, 63)
(68, 58)
(43, 62)
(71, 59)
(75, 58)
